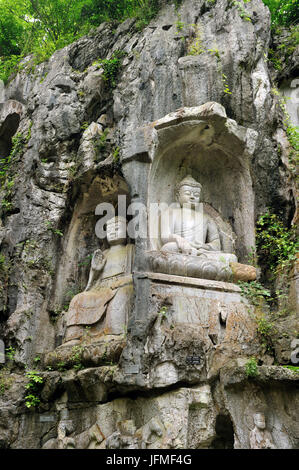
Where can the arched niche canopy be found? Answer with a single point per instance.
(216, 151)
(10, 115)
(80, 239)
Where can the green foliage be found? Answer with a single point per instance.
(214, 52)
(2, 262)
(76, 357)
(293, 137)
(241, 10)
(292, 368)
(265, 330)
(264, 326)
(69, 295)
(6, 380)
(7, 184)
(111, 67)
(97, 11)
(34, 379)
(100, 142)
(9, 65)
(283, 12)
(86, 261)
(6, 204)
(101, 145)
(18, 142)
(163, 311)
(292, 41)
(10, 353)
(146, 10)
(5, 266)
(85, 124)
(251, 368)
(53, 230)
(292, 131)
(39, 27)
(276, 244)
(115, 154)
(32, 400)
(225, 85)
(196, 47)
(276, 61)
(280, 54)
(61, 366)
(179, 25)
(255, 292)
(260, 297)
(11, 31)
(33, 387)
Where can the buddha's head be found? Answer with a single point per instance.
(188, 191)
(259, 420)
(117, 231)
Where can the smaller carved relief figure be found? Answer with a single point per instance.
(259, 437)
(124, 437)
(64, 442)
(152, 433)
(106, 301)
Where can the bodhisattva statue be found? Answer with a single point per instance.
(259, 437)
(188, 230)
(111, 262)
(106, 301)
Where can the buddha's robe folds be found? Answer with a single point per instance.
(195, 227)
(107, 303)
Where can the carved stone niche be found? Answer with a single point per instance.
(98, 314)
(10, 114)
(205, 146)
(201, 143)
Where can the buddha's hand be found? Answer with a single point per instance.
(203, 250)
(198, 245)
(185, 247)
(98, 260)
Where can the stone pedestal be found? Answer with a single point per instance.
(196, 326)
(203, 267)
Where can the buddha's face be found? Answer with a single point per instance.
(189, 195)
(259, 421)
(116, 231)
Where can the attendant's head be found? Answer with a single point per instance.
(259, 420)
(117, 231)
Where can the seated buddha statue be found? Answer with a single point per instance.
(186, 229)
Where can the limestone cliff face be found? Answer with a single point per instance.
(75, 132)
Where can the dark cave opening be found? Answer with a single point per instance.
(225, 433)
(7, 131)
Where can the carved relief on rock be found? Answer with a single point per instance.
(260, 437)
(191, 243)
(105, 304)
